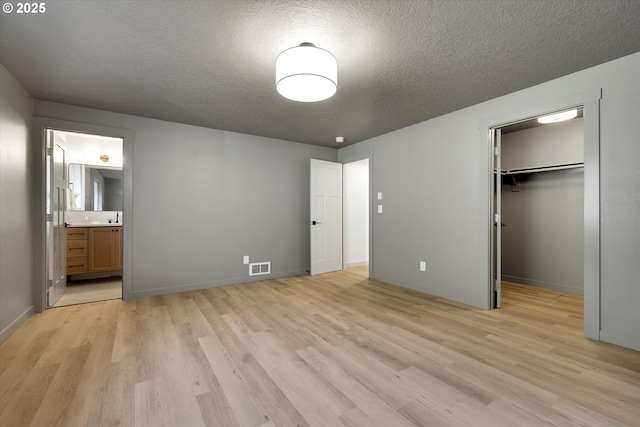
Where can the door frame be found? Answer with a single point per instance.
(354, 158)
(496, 210)
(39, 133)
(590, 102)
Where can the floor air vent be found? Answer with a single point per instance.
(258, 268)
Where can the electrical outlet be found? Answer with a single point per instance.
(245, 260)
(423, 266)
(379, 208)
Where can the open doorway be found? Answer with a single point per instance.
(589, 101)
(340, 216)
(356, 217)
(539, 205)
(543, 205)
(85, 198)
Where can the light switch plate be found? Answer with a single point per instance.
(423, 266)
(379, 208)
(379, 195)
(245, 260)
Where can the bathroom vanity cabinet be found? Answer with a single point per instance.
(94, 249)
(105, 249)
(77, 249)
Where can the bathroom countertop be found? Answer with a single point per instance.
(98, 224)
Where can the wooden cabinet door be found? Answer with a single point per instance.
(105, 249)
(101, 249)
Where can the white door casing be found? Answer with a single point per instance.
(497, 219)
(326, 216)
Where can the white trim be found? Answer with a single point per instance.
(357, 264)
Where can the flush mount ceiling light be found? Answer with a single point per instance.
(558, 117)
(306, 73)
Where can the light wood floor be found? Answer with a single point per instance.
(330, 350)
(92, 290)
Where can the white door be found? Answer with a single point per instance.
(58, 204)
(326, 216)
(497, 220)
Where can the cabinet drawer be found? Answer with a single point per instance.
(75, 233)
(76, 248)
(77, 265)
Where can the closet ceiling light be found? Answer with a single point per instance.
(306, 73)
(558, 117)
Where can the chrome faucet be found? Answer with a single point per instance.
(117, 217)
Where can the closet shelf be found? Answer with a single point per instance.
(562, 166)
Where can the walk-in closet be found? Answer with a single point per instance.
(542, 195)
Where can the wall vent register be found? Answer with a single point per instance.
(258, 268)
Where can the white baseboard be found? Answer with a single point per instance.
(356, 264)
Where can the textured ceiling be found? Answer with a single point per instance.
(211, 63)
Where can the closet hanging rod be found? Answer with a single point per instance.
(575, 165)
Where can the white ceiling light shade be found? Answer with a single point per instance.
(558, 117)
(306, 73)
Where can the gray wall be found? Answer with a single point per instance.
(434, 176)
(204, 198)
(547, 145)
(543, 241)
(16, 300)
(192, 231)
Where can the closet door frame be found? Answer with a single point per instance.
(590, 102)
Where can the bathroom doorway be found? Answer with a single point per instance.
(84, 203)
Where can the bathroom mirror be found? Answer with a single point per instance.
(94, 188)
